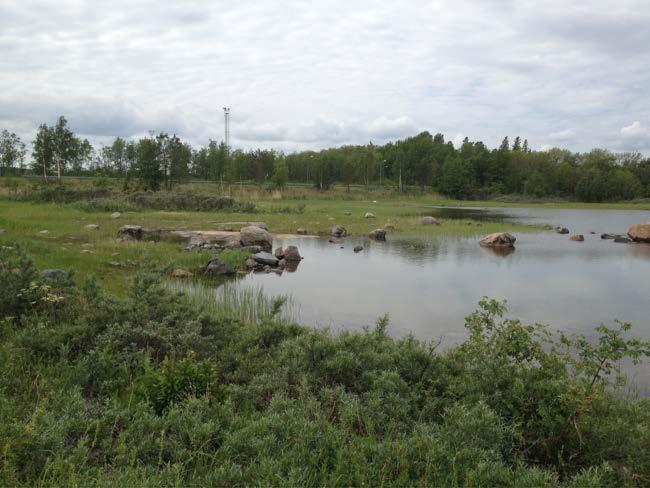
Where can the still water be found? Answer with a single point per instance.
(428, 285)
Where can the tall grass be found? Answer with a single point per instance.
(248, 304)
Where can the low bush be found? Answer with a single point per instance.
(153, 389)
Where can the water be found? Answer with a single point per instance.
(428, 285)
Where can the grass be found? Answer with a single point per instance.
(248, 305)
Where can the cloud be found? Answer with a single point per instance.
(563, 135)
(635, 130)
(310, 75)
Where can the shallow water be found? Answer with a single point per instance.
(428, 285)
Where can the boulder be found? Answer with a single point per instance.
(428, 220)
(92, 226)
(291, 254)
(561, 230)
(256, 236)
(116, 215)
(181, 273)
(217, 267)
(279, 253)
(378, 235)
(640, 233)
(338, 231)
(232, 243)
(130, 233)
(265, 258)
(607, 236)
(498, 239)
(55, 274)
(249, 263)
(577, 238)
(301, 231)
(369, 215)
(44, 232)
(358, 248)
(622, 239)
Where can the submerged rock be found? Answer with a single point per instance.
(428, 220)
(358, 248)
(640, 233)
(498, 239)
(622, 240)
(607, 236)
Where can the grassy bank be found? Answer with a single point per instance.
(155, 389)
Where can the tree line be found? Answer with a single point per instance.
(423, 161)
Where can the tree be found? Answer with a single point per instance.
(148, 164)
(516, 146)
(66, 145)
(12, 151)
(525, 146)
(43, 150)
(280, 173)
(505, 145)
(457, 179)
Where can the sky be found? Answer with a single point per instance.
(309, 75)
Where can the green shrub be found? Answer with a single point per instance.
(176, 379)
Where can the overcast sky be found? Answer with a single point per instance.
(314, 74)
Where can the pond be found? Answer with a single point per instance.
(428, 285)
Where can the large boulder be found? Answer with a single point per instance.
(338, 231)
(130, 233)
(498, 239)
(265, 258)
(428, 220)
(256, 236)
(378, 235)
(640, 232)
(291, 254)
(217, 267)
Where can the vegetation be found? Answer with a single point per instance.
(425, 162)
(153, 389)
